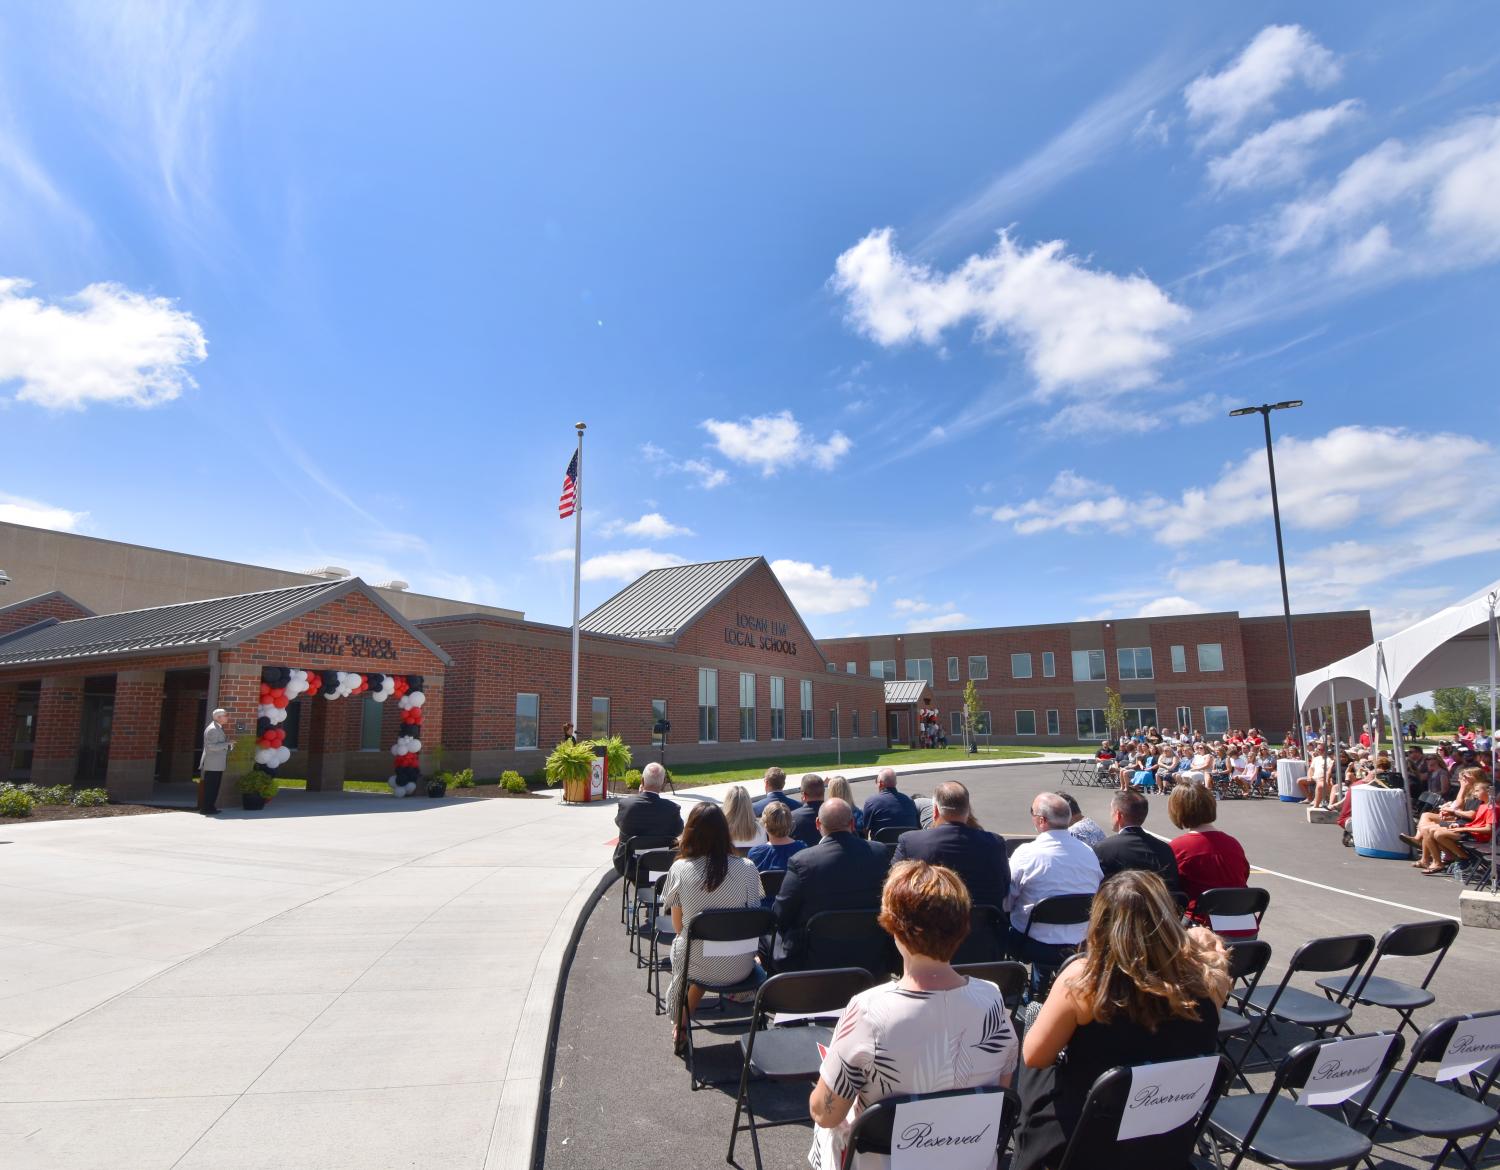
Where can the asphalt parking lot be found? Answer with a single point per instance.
(620, 1099)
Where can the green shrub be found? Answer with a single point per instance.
(464, 779)
(90, 798)
(569, 761)
(633, 779)
(57, 794)
(513, 782)
(616, 754)
(258, 783)
(15, 803)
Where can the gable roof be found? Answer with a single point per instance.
(663, 603)
(55, 595)
(215, 621)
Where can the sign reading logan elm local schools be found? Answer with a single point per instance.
(761, 633)
(339, 645)
(1166, 1095)
(947, 1133)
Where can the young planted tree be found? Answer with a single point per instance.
(1114, 713)
(972, 711)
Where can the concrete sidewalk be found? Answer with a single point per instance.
(340, 981)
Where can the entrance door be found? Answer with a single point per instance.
(93, 743)
(18, 757)
(894, 721)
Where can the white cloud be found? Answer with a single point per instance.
(1326, 483)
(1167, 606)
(774, 441)
(910, 605)
(34, 514)
(815, 590)
(1435, 199)
(952, 620)
(1278, 154)
(1075, 325)
(107, 344)
(1153, 129)
(627, 564)
(1279, 55)
(707, 475)
(1369, 251)
(651, 526)
(556, 555)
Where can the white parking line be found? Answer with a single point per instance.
(1350, 893)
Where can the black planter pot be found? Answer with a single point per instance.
(436, 788)
(250, 802)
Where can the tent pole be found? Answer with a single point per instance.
(1333, 704)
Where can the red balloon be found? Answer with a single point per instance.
(279, 701)
(278, 692)
(401, 687)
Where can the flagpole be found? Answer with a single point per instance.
(577, 566)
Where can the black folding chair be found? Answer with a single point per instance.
(1292, 1005)
(1429, 1107)
(770, 881)
(646, 870)
(1008, 975)
(1058, 910)
(985, 942)
(743, 927)
(659, 934)
(1276, 1129)
(849, 938)
(1095, 1140)
(1014, 843)
(871, 1132)
(634, 845)
(1247, 963)
(890, 834)
(1232, 909)
(1410, 940)
(789, 1054)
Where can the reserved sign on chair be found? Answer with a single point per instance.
(1165, 1096)
(1473, 1043)
(947, 1133)
(1344, 1068)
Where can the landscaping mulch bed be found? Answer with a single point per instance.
(492, 791)
(68, 812)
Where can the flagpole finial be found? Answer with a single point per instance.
(581, 427)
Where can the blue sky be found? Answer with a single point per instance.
(941, 308)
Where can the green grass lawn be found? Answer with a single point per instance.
(691, 775)
(349, 785)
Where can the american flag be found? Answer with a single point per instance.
(569, 497)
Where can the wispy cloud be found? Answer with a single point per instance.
(705, 473)
(1280, 153)
(773, 442)
(35, 514)
(1280, 55)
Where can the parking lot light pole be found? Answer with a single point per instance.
(1264, 411)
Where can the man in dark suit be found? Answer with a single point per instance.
(647, 814)
(975, 855)
(775, 783)
(805, 815)
(1132, 847)
(889, 807)
(840, 872)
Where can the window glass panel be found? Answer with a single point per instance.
(1025, 722)
(747, 706)
(778, 707)
(833, 723)
(1054, 724)
(919, 668)
(1090, 723)
(1184, 719)
(1020, 666)
(979, 667)
(1088, 666)
(1049, 664)
(982, 725)
(807, 708)
(953, 669)
(851, 668)
(600, 713)
(658, 711)
(1210, 656)
(1135, 662)
(1179, 659)
(854, 723)
(956, 720)
(528, 709)
(1138, 718)
(1215, 720)
(369, 725)
(708, 705)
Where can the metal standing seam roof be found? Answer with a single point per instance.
(906, 690)
(663, 602)
(188, 623)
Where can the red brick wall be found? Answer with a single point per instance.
(1321, 638)
(7, 727)
(139, 699)
(39, 609)
(59, 719)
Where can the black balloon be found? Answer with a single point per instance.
(374, 682)
(263, 725)
(330, 680)
(413, 682)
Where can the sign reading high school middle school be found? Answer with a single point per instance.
(341, 645)
(761, 633)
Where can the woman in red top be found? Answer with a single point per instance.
(1207, 858)
(1464, 830)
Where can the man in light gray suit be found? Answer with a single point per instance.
(216, 748)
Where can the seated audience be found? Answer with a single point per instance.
(706, 876)
(1144, 989)
(1144, 775)
(779, 845)
(925, 810)
(1243, 773)
(840, 872)
(1132, 847)
(805, 815)
(775, 782)
(1457, 832)
(931, 1031)
(1054, 863)
(744, 829)
(1317, 775)
(1200, 764)
(1207, 857)
(1086, 829)
(888, 807)
(976, 856)
(646, 814)
(839, 786)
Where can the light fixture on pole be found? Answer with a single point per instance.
(1264, 411)
(4, 577)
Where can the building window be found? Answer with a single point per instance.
(807, 709)
(1091, 723)
(1179, 659)
(956, 719)
(1049, 664)
(1137, 718)
(1210, 656)
(528, 715)
(979, 667)
(1025, 722)
(1020, 666)
(1054, 724)
(708, 705)
(369, 724)
(854, 724)
(658, 713)
(747, 707)
(851, 668)
(982, 724)
(882, 668)
(1135, 662)
(833, 668)
(953, 669)
(919, 668)
(1088, 666)
(778, 707)
(1184, 719)
(1215, 720)
(599, 728)
(833, 723)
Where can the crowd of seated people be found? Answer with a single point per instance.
(1149, 974)
(1151, 760)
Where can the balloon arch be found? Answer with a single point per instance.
(281, 685)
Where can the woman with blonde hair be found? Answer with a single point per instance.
(838, 788)
(1143, 989)
(744, 830)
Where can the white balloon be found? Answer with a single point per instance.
(416, 745)
(263, 756)
(417, 698)
(283, 754)
(299, 676)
